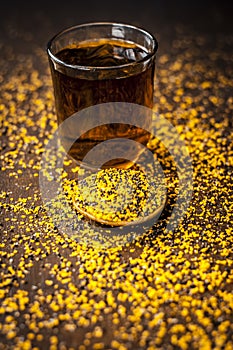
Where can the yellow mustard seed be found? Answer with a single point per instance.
(162, 290)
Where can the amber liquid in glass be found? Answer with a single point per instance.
(73, 93)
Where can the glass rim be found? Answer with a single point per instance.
(96, 68)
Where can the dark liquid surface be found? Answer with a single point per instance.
(74, 93)
(102, 54)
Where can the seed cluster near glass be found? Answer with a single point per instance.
(163, 290)
(118, 195)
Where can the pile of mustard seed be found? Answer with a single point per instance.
(119, 195)
(162, 290)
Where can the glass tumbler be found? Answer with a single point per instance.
(99, 63)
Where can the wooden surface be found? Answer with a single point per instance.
(167, 290)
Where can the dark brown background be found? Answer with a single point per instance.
(45, 18)
(42, 19)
